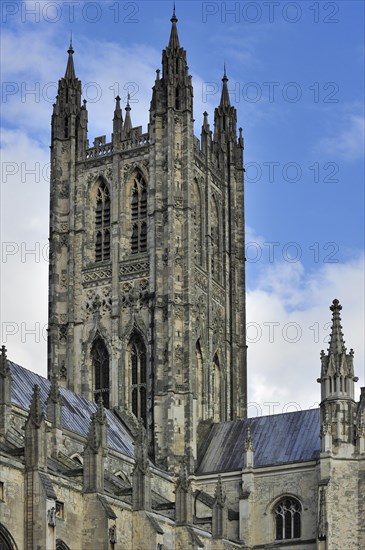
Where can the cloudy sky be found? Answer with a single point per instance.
(296, 78)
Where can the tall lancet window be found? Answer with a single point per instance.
(216, 383)
(138, 377)
(100, 361)
(199, 380)
(139, 215)
(102, 224)
(197, 220)
(215, 237)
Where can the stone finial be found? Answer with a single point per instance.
(240, 138)
(183, 482)
(219, 496)
(98, 430)
(117, 110)
(141, 496)
(54, 395)
(337, 342)
(53, 403)
(128, 121)
(141, 448)
(100, 414)
(4, 366)
(219, 512)
(36, 415)
(183, 501)
(248, 446)
(205, 127)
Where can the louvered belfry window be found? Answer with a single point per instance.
(102, 224)
(139, 215)
(100, 360)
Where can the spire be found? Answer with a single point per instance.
(174, 43)
(128, 120)
(70, 69)
(225, 101)
(336, 343)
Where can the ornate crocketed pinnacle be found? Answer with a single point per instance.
(206, 128)
(4, 366)
(54, 390)
(183, 479)
(36, 412)
(118, 110)
(220, 497)
(336, 343)
(141, 445)
(100, 414)
(248, 446)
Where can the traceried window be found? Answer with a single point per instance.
(138, 367)
(100, 361)
(102, 224)
(139, 215)
(288, 519)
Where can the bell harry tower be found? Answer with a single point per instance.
(147, 275)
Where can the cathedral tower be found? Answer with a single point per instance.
(147, 284)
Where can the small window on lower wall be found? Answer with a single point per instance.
(287, 515)
(1, 491)
(60, 510)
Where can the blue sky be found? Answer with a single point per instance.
(296, 78)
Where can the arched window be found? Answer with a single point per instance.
(139, 215)
(60, 545)
(216, 389)
(197, 220)
(138, 377)
(100, 361)
(6, 540)
(199, 380)
(102, 224)
(215, 236)
(287, 515)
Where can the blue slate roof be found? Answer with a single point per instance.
(277, 439)
(76, 410)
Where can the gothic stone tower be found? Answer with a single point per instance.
(147, 279)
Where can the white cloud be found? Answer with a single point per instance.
(348, 143)
(289, 324)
